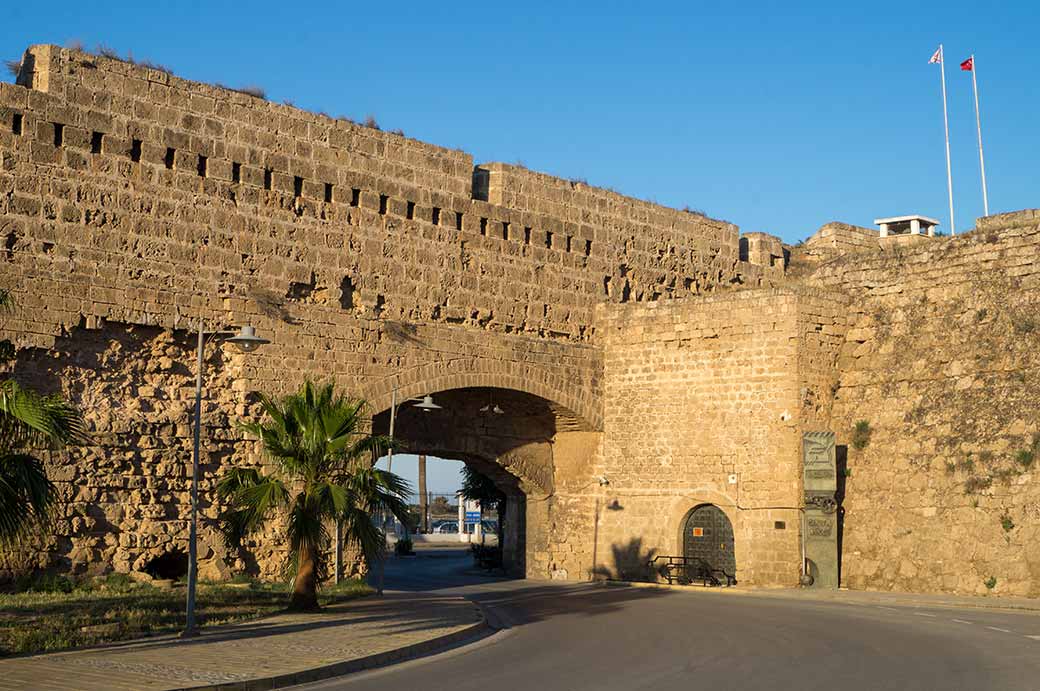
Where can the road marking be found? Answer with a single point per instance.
(962, 621)
(997, 628)
(887, 609)
(1035, 638)
(923, 614)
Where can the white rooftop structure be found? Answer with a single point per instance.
(904, 225)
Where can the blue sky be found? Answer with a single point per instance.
(777, 117)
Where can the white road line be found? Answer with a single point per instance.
(923, 614)
(1035, 638)
(962, 621)
(887, 609)
(997, 628)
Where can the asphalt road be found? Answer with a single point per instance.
(585, 636)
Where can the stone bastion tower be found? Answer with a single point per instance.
(658, 369)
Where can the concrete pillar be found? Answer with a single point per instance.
(915, 227)
(884, 230)
(931, 231)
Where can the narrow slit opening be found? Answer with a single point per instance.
(236, 172)
(328, 192)
(588, 248)
(409, 212)
(297, 186)
(16, 124)
(505, 230)
(527, 235)
(169, 157)
(355, 196)
(59, 134)
(135, 150)
(548, 239)
(458, 220)
(383, 199)
(483, 226)
(202, 166)
(267, 178)
(435, 217)
(95, 142)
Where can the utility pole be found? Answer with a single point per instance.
(424, 507)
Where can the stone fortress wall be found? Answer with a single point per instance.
(942, 361)
(132, 203)
(677, 354)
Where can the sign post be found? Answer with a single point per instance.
(820, 527)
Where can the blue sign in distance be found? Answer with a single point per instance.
(472, 517)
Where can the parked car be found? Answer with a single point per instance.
(446, 527)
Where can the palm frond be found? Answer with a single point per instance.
(252, 498)
(29, 419)
(27, 496)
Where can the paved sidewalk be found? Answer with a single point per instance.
(863, 597)
(283, 649)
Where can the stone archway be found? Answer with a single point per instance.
(527, 450)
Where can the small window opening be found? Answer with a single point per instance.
(297, 186)
(16, 124)
(59, 134)
(588, 248)
(202, 166)
(383, 199)
(458, 220)
(328, 192)
(355, 196)
(169, 157)
(548, 240)
(236, 172)
(410, 211)
(505, 230)
(780, 525)
(135, 150)
(95, 142)
(569, 238)
(527, 235)
(435, 217)
(483, 226)
(268, 178)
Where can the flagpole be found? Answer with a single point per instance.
(946, 126)
(978, 126)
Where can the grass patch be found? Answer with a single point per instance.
(116, 608)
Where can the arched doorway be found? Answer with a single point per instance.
(708, 536)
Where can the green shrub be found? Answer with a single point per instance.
(44, 583)
(1006, 522)
(991, 582)
(861, 435)
(1025, 458)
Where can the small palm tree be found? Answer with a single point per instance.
(323, 472)
(29, 422)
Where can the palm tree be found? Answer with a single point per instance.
(322, 472)
(28, 422)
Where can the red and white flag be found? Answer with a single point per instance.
(969, 64)
(936, 56)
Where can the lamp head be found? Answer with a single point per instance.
(247, 340)
(427, 404)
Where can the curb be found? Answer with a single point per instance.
(853, 597)
(434, 645)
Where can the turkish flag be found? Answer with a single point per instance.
(969, 64)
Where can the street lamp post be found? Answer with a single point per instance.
(247, 340)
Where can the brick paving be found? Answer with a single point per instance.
(271, 647)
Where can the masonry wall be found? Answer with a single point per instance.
(134, 203)
(702, 391)
(941, 362)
